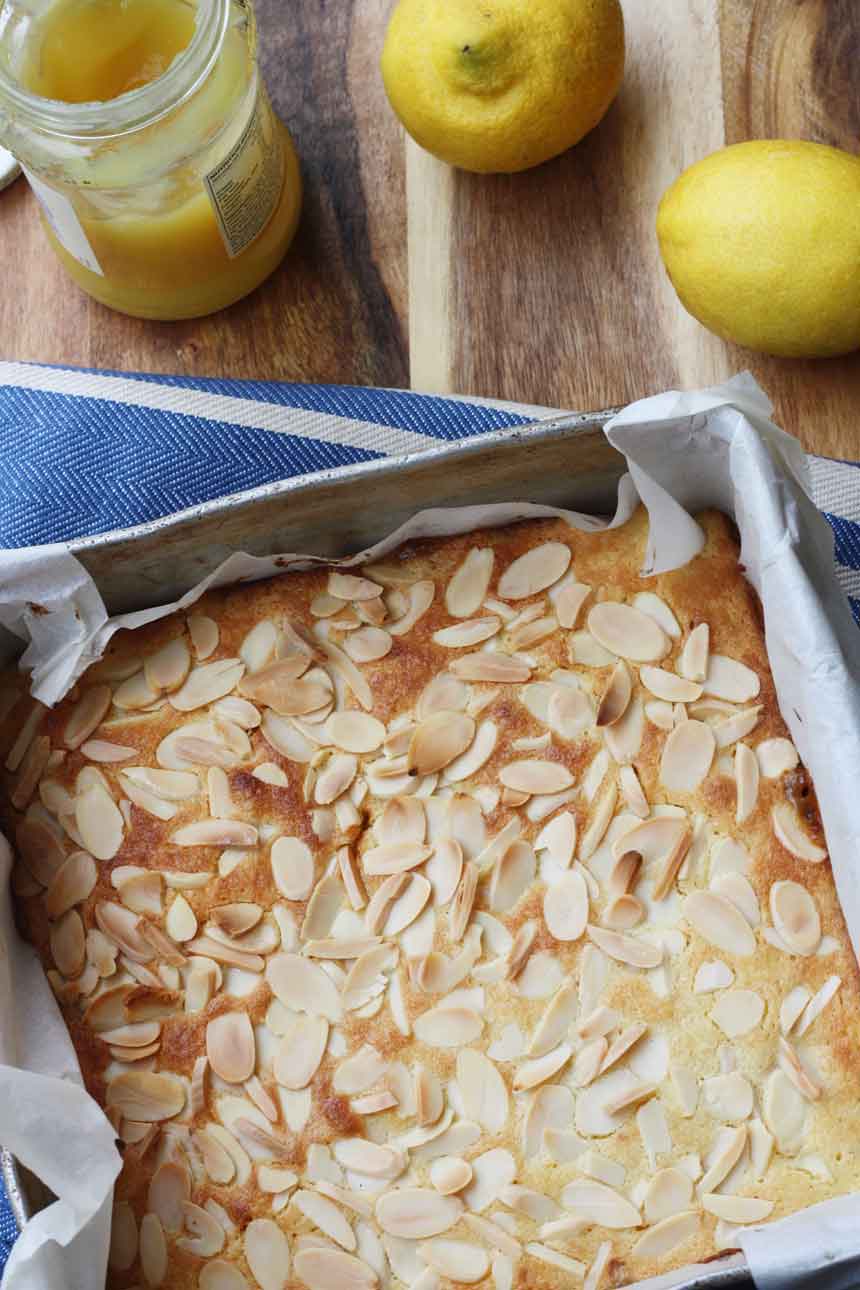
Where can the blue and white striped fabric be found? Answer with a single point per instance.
(84, 452)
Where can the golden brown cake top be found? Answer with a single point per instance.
(460, 920)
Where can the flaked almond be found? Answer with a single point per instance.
(368, 644)
(540, 1069)
(123, 1238)
(99, 822)
(415, 1213)
(448, 1027)
(505, 669)
(625, 948)
(484, 1094)
(513, 873)
(556, 1021)
(304, 986)
(216, 833)
(730, 680)
(534, 571)
(599, 821)
(616, 696)
(463, 901)
(720, 923)
(394, 857)
(438, 740)
(535, 776)
(351, 586)
(747, 782)
(450, 1174)
(420, 597)
(325, 1215)
(231, 1048)
(568, 597)
(300, 1052)
(667, 1235)
(40, 849)
(600, 1204)
(267, 1252)
(87, 715)
(565, 907)
(467, 634)
(628, 633)
(788, 831)
(355, 732)
(693, 663)
(68, 944)
(795, 917)
(687, 756)
(324, 1268)
(460, 1261)
(669, 1192)
(738, 1209)
(776, 757)
(791, 1065)
(143, 1095)
(73, 883)
(292, 868)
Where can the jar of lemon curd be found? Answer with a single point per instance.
(168, 187)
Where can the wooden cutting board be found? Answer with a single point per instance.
(544, 287)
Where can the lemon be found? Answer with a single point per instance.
(762, 243)
(502, 85)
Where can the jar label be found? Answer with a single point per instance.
(62, 218)
(245, 187)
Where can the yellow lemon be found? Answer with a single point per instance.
(762, 243)
(501, 85)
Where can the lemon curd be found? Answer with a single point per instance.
(168, 187)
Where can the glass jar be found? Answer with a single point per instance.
(168, 187)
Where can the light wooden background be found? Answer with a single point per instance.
(544, 287)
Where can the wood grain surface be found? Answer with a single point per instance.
(544, 287)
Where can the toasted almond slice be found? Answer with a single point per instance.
(350, 586)
(99, 821)
(667, 1235)
(477, 755)
(448, 1027)
(788, 831)
(468, 587)
(818, 1003)
(737, 1209)
(687, 757)
(600, 1204)
(747, 781)
(463, 902)
(68, 944)
(394, 857)
(403, 820)
(135, 693)
(601, 817)
(621, 1046)
(73, 883)
(304, 986)
(728, 679)
(776, 757)
(323, 1268)
(736, 727)
(143, 1095)
(221, 953)
(368, 644)
(624, 913)
(625, 872)
(237, 918)
(325, 1215)
(355, 732)
(415, 1213)
(725, 1160)
(485, 666)
(626, 949)
(484, 1094)
(565, 907)
(567, 598)
(438, 740)
(267, 1252)
(421, 595)
(444, 869)
(468, 634)
(628, 632)
(450, 1174)
(630, 1096)
(616, 696)
(720, 923)
(513, 874)
(795, 917)
(292, 868)
(668, 686)
(216, 833)
(791, 1065)
(556, 1021)
(558, 838)
(300, 1052)
(669, 1192)
(123, 1238)
(693, 663)
(335, 778)
(408, 905)
(540, 1069)
(656, 608)
(429, 1098)
(534, 776)
(87, 714)
(460, 1261)
(231, 1048)
(534, 571)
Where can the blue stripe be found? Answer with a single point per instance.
(76, 467)
(855, 609)
(440, 418)
(847, 534)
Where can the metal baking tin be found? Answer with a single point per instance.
(563, 461)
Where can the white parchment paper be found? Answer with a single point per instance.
(685, 451)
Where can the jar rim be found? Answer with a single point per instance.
(137, 108)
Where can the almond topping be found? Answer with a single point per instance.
(720, 923)
(565, 907)
(321, 1268)
(301, 1051)
(450, 1174)
(484, 666)
(415, 1213)
(230, 1047)
(789, 833)
(485, 1097)
(795, 917)
(626, 949)
(616, 696)
(438, 740)
(687, 757)
(448, 1027)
